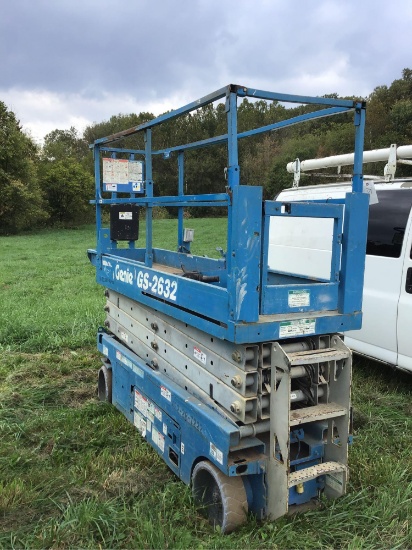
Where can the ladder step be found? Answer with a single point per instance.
(313, 472)
(316, 356)
(316, 413)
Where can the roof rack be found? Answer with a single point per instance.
(392, 155)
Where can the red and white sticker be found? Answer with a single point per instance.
(199, 355)
(164, 392)
(158, 439)
(140, 403)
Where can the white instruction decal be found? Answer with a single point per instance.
(158, 439)
(289, 329)
(164, 392)
(182, 448)
(124, 336)
(140, 403)
(122, 171)
(199, 355)
(135, 171)
(150, 411)
(125, 215)
(158, 414)
(216, 453)
(140, 423)
(298, 298)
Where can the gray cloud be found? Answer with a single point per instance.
(69, 62)
(94, 46)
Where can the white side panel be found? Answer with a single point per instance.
(301, 246)
(405, 306)
(377, 336)
(370, 350)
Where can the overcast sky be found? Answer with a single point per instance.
(71, 63)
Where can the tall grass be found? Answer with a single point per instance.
(75, 474)
(49, 296)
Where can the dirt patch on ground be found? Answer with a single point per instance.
(76, 397)
(132, 481)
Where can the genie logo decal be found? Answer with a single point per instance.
(124, 275)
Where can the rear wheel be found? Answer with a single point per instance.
(222, 498)
(104, 386)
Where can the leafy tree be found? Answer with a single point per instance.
(262, 158)
(401, 119)
(61, 144)
(21, 205)
(68, 188)
(115, 124)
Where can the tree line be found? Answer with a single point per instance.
(51, 185)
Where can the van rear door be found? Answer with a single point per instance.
(404, 320)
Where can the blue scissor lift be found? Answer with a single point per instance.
(234, 373)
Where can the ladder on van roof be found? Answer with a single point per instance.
(392, 155)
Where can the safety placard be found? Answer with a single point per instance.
(199, 355)
(288, 329)
(122, 175)
(158, 439)
(298, 298)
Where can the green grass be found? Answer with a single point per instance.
(49, 296)
(75, 474)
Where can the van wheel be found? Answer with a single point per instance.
(222, 499)
(104, 385)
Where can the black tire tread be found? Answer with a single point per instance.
(233, 495)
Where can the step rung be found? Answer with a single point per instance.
(306, 474)
(323, 411)
(316, 356)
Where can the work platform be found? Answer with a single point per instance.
(236, 297)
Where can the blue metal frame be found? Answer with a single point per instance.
(190, 432)
(246, 304)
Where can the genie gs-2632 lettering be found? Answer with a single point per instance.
(233, 373)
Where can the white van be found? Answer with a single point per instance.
(387, 298)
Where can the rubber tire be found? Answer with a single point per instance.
(104, 385)
(222, 498)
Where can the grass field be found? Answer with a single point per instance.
(75, 474)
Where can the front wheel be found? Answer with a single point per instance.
(222, 498)
(104, 385)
